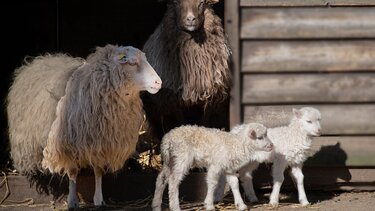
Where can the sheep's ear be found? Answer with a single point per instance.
(252, 134)
(297, 113)
(212, 1)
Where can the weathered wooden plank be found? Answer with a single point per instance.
(231, 22)
(342, 151)
(323, 178)
(281, 56)
(336, 119)
(298, 88)
(302, 23)
(290, 3)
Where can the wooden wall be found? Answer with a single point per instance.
(320, 53)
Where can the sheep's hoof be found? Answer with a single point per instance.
(242, 207)
(210, 207)
(73, 206)
(304, 203)
(274, 204)
(100, 204)
(73, 203)
(252, 199)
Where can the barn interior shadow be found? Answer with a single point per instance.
(322, 172)
(48, 184)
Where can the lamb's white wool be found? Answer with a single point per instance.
(218, 151)
(291, 148)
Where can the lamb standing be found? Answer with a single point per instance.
(218, 151)
(291, 148)
(190, 52)
(96, 120)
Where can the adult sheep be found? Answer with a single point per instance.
(189, 51)
(88, 118)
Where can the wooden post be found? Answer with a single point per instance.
(231, 16)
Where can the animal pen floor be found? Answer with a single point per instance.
(321, 200)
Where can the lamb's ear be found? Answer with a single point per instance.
(297, 113)
(252, 134)
(212, 1)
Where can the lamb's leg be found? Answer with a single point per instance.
(219, 193)
(161, 183)
(233, 182)
(213, 174)
(98, 195)
(278, 168)
(298, 176)
(73, 201)
(180, 168)
(247, 180)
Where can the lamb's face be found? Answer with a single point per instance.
(190, 13)
(310, 120)
(258, 136)
(137, 68)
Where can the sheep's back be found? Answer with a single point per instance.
(31, 105)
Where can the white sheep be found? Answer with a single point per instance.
(220, 152)
(291, 148)
(90, 110)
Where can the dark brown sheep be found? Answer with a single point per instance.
(189, 51)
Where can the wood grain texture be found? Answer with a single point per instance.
(290, 3)
(303, 23)
(295, 56)
(336, 119)
(342, 151)
(231, 27)
(322, 178)
(307, 88)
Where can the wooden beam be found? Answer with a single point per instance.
(295, 56)
(336, 119)
(299, 3)
(231, 23)
(308, 88)
(307, 23)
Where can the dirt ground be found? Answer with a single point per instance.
(320, 200)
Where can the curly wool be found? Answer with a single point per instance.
(195, 66)
(98, 119)
(31, 103)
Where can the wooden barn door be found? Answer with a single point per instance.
(320, 53)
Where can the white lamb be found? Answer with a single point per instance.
(218, 151)
(291, 148)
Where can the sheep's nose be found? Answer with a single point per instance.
(190, 19)
(158, 82)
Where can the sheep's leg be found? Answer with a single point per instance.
(98, 195)
(220, 190)
(296, 172)
(178, 171)
(73, 201)
(213, 174)
(161, 183)
(247, 180)
(233, 182)
(278, 168)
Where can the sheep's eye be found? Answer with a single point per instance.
(260, 138)
(308, 121)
